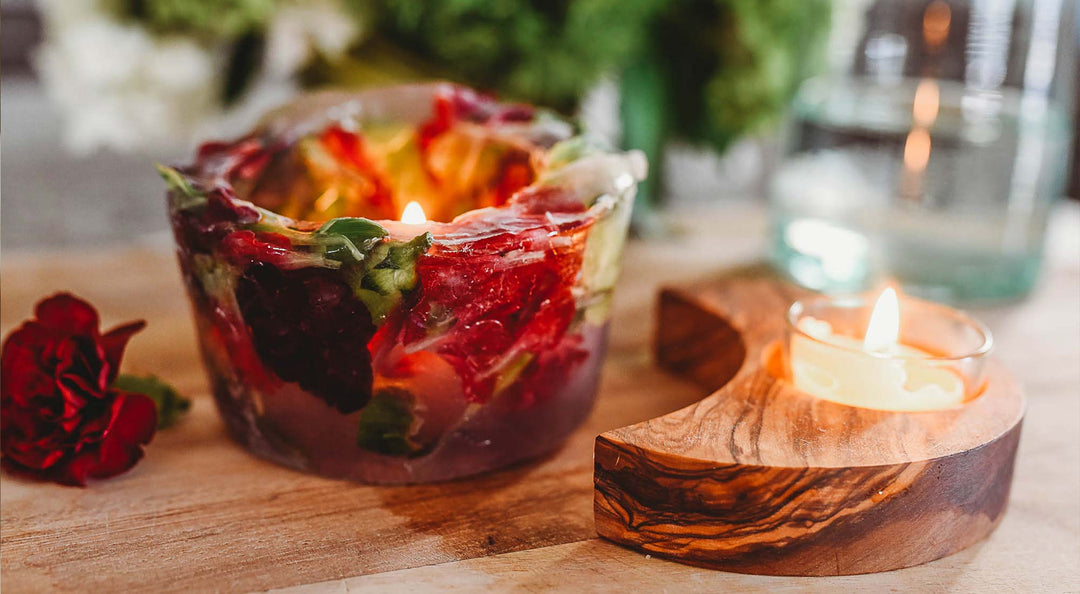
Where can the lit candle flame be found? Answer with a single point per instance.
(883, 331)
(413, 214)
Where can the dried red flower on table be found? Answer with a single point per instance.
(59, 418)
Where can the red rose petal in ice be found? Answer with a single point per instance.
(308, 327)
(58, 418)
(442, 118)
(244, 248)
(213, 148)
(223, 210)
(200, 229)
(506, 293)
(349, 148)
(461, 104)
(547, 370)
(242, 158)
(540, 200)
(517, 173)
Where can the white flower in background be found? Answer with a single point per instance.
(118, 85)
(600, 110)
(300, 29)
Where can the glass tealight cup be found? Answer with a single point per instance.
(938, 362)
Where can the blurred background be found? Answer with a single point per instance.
(910, 138)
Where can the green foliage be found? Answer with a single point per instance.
(386, 424)
(176, 181)
(357, 230)
(240, 23)
(388, 273)
(183, 194)
(706, 70)
(170, 404)
(731, 66)
(546, 53)
(221, 19)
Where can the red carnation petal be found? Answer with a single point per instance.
(72, 359)
(76, 393)
(56, 416)
(114, 343)
(24, 342)
(68, 313)
(134, 420)
(21, 376)
(31, 455)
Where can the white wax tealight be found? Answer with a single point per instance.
(876, 372)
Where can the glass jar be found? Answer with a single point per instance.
(932, 152)
(345, 342)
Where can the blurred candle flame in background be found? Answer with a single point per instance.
(936, 20)
(926, 104)
(924, 112)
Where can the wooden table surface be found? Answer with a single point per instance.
(200, 514)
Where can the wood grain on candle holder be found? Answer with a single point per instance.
(761, 478)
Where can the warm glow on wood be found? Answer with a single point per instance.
(883, 331)
(413, 214)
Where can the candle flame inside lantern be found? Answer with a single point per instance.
(413, 214)
(883, 331)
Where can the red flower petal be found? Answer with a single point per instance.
(21, 373)
(57, 418)
(32, 456)
(134, 420)
(81, 358)
(66, 312)
(114, 342)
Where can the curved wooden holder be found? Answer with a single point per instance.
(761, 478)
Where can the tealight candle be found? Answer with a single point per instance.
(902, 354)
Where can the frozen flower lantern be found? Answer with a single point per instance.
(345, 341)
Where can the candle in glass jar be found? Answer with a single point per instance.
(879, 370)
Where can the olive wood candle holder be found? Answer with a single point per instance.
(761, 478)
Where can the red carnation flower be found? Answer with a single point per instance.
(59, 418)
